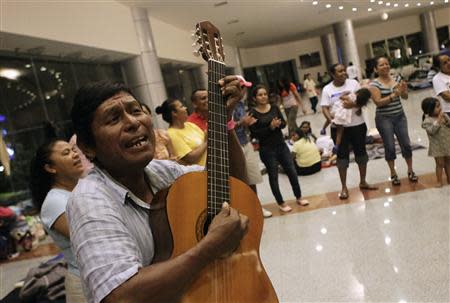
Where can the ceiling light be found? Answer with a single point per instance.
(380, 2)
(328, 5)
(27, 65)
(406, 4)
(43, 68)
(432, 2)
(315, 2)
(10, 73)
(232, 21)
(372, 1)
(419, 4)
(341, 7)
(384, 16)
(388, 3)
(354, 9)
(395, 4)
(220, 3)
(445, 1)
(369, 9)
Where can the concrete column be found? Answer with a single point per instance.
(346, 43)
(428, 25)
(329, 49)
(238, 68)
(143, 72)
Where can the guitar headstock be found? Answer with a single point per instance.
(207, 36)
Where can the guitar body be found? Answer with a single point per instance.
(238, 278)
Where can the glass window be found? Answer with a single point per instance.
(443, 35)
(379, 48)
(180, 81)
(310, 60)
(58, 85)
(35, 93)
(397, 47)
(271, 73)
(415, 44)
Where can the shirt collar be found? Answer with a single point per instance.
(122, 191)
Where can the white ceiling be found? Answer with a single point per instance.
(270, 21)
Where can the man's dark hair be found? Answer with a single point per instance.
(87, 99)
(193, 95)
(333, 67)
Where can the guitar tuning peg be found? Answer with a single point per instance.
(195, 44)
(194, 37)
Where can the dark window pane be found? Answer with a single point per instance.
(310, 60)
(379, 48)
(415, 44)
(58, 87)
(443, 35)
(271, 73)
(397, 47)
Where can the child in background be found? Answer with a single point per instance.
(437, 125)
(342, 116)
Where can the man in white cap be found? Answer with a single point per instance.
(243, 121)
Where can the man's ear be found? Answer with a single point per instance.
(88, 151)
(49, 168)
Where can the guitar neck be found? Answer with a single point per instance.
(218, 161)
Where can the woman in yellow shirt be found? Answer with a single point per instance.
(306, 154)
(188, 140)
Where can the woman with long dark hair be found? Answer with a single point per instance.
(55, 170)
(272, 147)
(390, 118)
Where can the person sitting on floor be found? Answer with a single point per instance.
(306, 154)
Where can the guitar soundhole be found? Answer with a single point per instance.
(202, 225)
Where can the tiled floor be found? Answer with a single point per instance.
(390, 245)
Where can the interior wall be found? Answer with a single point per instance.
(173, 43)
(101, 24)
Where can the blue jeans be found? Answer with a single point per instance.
(271, 156)
(397, 125)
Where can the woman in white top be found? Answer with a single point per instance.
(310, 88)
(55, 170)
(354, 133)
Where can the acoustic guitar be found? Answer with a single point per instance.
(189, 205)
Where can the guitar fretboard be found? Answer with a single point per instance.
(218, 162)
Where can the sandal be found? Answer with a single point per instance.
(343, 195)
(413, 177)
(395, 180)
(302, 202)
(285, 208)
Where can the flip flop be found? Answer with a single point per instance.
(343, 195)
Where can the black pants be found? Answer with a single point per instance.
(271, 156)
(356, 137)
(314, 101)
(310, 170)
